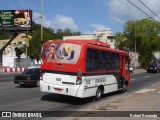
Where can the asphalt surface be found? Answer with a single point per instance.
(15, 98)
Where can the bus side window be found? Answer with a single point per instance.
(104, 60)
(107, 56)
(92, 60)
(114, 61)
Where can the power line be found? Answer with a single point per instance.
(139, 8)
(142, 11)
(149, 9)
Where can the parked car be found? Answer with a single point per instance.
(153, 67)
(30, 76)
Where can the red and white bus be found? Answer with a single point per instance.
(83, 68)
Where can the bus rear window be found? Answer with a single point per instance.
(62, 53)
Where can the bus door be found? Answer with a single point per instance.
(122, 71)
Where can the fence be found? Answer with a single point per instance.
(11, 69)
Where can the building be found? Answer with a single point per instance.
(20, 40)
(105, 36)
(9, 56)
(157, 55)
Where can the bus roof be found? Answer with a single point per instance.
(92, 42)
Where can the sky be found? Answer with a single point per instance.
(85, 16)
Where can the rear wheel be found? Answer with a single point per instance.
(98, 94)
(125, 88)
(157, 71)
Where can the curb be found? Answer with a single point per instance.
(13, 69)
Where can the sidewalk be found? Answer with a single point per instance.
(146, 99)
(137, 71)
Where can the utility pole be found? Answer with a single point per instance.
(135, 46)
(41, 21)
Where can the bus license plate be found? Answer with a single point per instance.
(57, 89)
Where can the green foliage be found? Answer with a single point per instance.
(19, 51)
(4, 35)
(34, 48)
(145, 33)
(120, 41)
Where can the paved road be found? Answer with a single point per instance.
(7, 76)
(15, 98)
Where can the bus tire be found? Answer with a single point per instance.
(125, 87)
(98, 94)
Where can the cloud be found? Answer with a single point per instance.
(87, 32)
(63, 22)
(57, 22)
(124, 9)
(99, 27)
(95, 28)
(37, 19)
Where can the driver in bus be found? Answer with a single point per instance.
(51, 54)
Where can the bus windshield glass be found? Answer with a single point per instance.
(62, 53)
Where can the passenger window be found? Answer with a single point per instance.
(92, 63)
(115, 61)
(104, 60)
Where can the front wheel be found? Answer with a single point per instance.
(98, 94)
(125, 88)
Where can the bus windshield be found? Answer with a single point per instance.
(62, 53)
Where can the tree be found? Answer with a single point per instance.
(19, 52)
(145, 33)
(34, 48)
(5, 35)
(120, 41)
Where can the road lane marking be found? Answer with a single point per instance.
(145, 90)
(133, 79)
(158, 91)
(146, 77)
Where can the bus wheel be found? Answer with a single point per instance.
(125, 88)
(98, 94)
